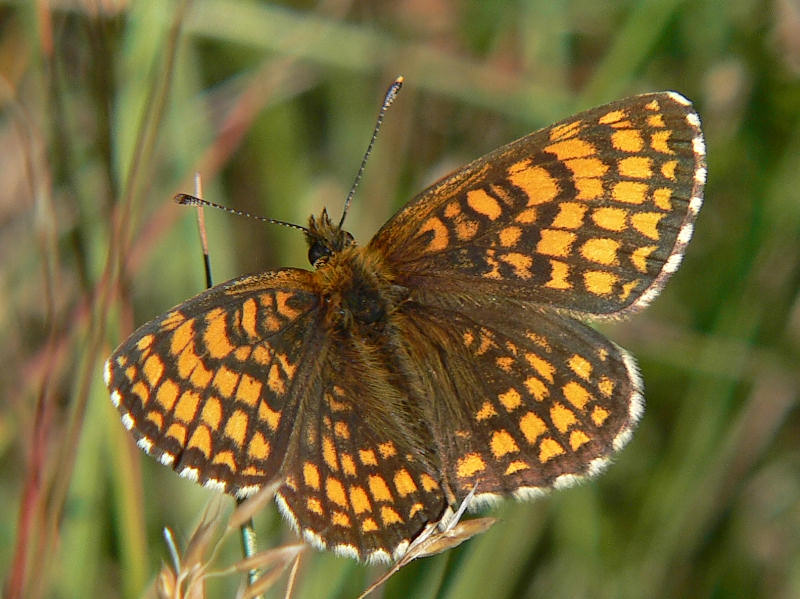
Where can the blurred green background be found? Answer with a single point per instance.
(108, 109)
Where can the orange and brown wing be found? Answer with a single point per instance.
(212, 387)
(523, 400)
(589, 215)
(358, 483)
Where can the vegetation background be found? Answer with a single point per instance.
(108, 109)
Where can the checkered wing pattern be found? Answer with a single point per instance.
(212, 388)
(530, 402)
(590, 215)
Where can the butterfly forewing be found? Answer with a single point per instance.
(588, 215)
(211, 388)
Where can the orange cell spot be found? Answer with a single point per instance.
(242, 353)
(527, 216)
(576, 394)
(145, 342)
(367, 457)
(249, 390)
(153, 370)
(225, 381)
(611, 219)
(656, 121)
(611, 117)
(571, 148)
(212, 413)
(226, 458)
(403, 483)
(636, 167)
(390, 516)
(311, 475)
(258, 448)
(387, 450)
(341, 519)
(542, 366)
(167, 394)
(262, 355)
(341, 430)
(588, 188)
(509, 236)
(487, 411)
(369, 525)
(379, 489)
(627, 288)
(156, 418)
(440, 239)
(348, 464)
(415, 509)
(141, 391)
(313, 504)
(171, 320)
(653, 105)
(482, 203)
(428, 483)
(335, 491)
(516, 466)
(562, 417)
(504, 363)
(452, 210)
(177, 432)
(215, 337)
(570, 216)
(250, 317)
(359, 500)
(647, 223)
(200, 376)
(659, 141)
(601, 251)
(535, 181)
(502, 443)
(668, 169)
(329, 453)
(187, 360)
(555, 242)
(253, 471)
(274, 380)
(558, 275)
(466, 229)
(181, 337)
(187, 406)
(268, 415)
(548, 449)
(511, 399)
(599, 415)
(282, 305)
(469, 465)
(201, 439)
(606, 386)
(577, 438)
(536, 388)
(519, 262)
(599, 282)
(662, 198)
(587, 167)
(532, 427)
(627, 140)
(236, 427)
(640, 255)
(629, 192)
(580, 366)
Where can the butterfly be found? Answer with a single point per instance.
(447, 355)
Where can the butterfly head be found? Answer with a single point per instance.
(325, 239)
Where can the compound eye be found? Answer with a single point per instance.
(318, 251)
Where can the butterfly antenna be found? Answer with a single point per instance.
(391, 94)
(190, 200)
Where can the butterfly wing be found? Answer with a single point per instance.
(590, 215)
(212, 387)
(354, 484)
(524, 399)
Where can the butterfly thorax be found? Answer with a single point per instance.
(355, 284)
